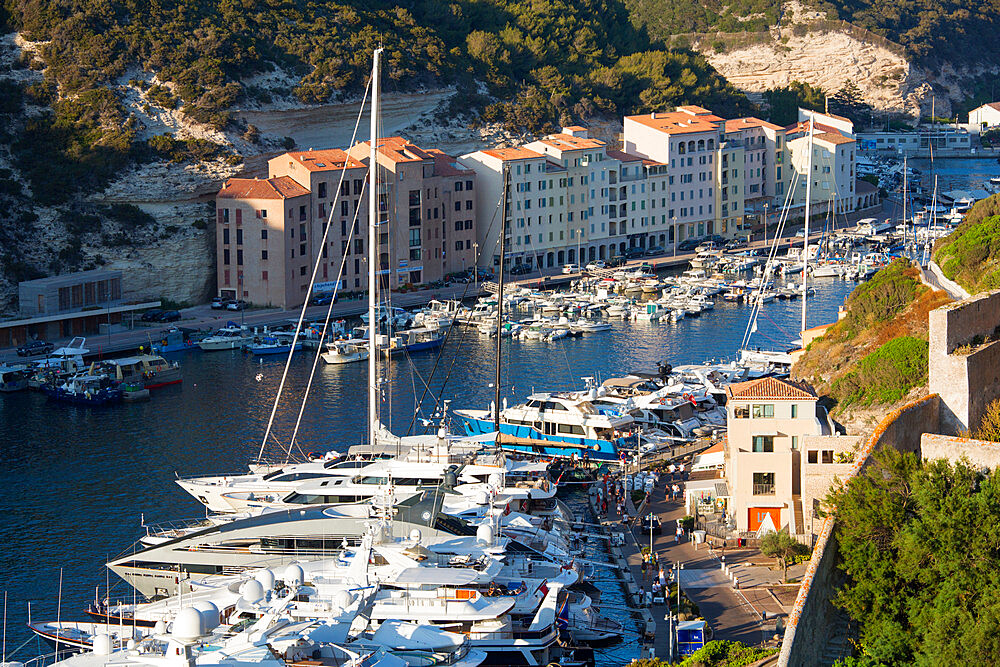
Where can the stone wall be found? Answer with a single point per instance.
(811, 621)
(953, 449)
(966, 376)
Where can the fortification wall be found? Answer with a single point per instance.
(812, 619)
(961, 369)
(953, 449)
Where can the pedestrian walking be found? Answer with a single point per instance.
(678, 532)
(680, 470)
(663, 578)
(644, 566)
(672, 469)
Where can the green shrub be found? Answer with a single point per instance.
(970, 255)
(886, 375)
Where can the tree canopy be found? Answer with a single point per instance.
(919, 545)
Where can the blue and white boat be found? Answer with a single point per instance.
(558, 425)
(277, 343)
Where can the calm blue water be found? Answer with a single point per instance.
(956, 174)
(77, 481)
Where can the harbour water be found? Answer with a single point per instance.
(77, 482)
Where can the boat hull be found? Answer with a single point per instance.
(527, 440)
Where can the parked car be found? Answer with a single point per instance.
(239, 304)
(633, 252)
(688, 245)
(33, 347)
(734, 244)
(596, 266)
(324, 299)
(520, 269)
(801, 234)
(654, 250)
(707, 246)
(169, 316)
(218, 303)
(616, 261)
(571, 268)
(151, 315)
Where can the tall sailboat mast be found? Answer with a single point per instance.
(805, 240)
(373, 255)
(503, 251)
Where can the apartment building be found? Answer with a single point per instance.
(269, 230)
(526, 170)
(687, 142)
(833, 168)
(764, 163)
(259, 224)
(768, 419)
(427, 202)
(731, 175)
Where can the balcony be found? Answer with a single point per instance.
(763, 489)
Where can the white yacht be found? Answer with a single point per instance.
(226, 338)
(346, 351)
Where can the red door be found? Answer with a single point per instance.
(757, 515)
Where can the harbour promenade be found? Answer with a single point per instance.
(747, 613)
(203, 317)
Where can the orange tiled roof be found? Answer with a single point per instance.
(280, 187)
(516, 153)
(325, 160)
(833, 138)
(677, 122)
(737, 124)
(695, 110)
(622, 156)
(803, 126)
(569, 142)
(446, 165)
(771, 388)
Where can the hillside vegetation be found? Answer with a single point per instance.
(970, 255)
(877, 353)
(931, 31)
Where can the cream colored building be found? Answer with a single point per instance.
(833, 168)
(767, 421)
(986, 116)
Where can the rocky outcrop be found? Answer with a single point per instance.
(827, 59)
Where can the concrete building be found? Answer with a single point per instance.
(768, 420)
(70, 292)
(687, 142)
(919, 142)
(985, 116)
(269, 230)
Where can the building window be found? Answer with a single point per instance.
(414, 238)
(763, 410)
(739, 411)
(322, 191)
(414, 197)
(795, 442)
(263, 254)
(225, 235)
(827, 456)
(468, 185)
(263, 275)
(239, 236)
(763, 443)
(239, 257)
(795, 410)
(263, 234)
(302, 270)
(763, 484)
(458, 186)
(225, 256)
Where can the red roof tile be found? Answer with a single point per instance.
(280, 187)
(325, 160)
(770, 388)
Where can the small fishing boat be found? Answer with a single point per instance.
(346, 351)
(90, 390)
(277, 343)
(13, 378)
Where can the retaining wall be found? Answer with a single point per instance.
(811, 622)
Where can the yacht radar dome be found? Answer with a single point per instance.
(266, 579)
(415, 535)
(102, 644)
(187, 624)
(294, 575)
(484, 533)
(252, 591)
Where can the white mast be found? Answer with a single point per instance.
(805, 240)
(373, 257)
